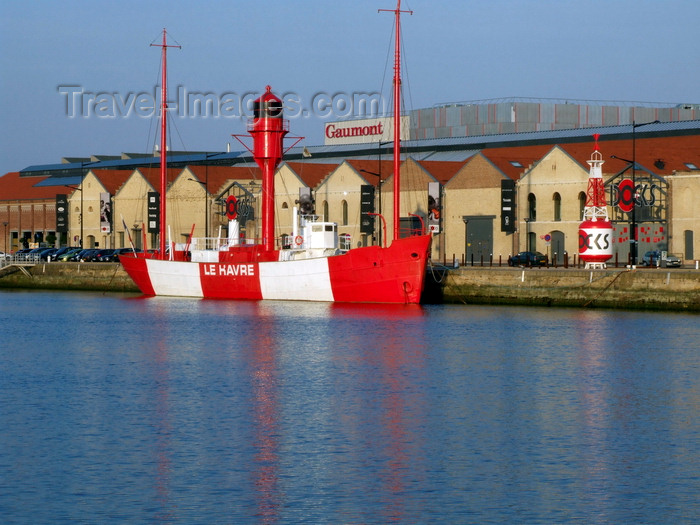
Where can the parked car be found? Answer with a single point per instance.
(5, 256)
(528, 259)
(60, 251)
(44, 256)
(88, 255)
(119, 251)
(70, 255)
(66, 256)
(34, 254)
(21, 255)
(103, 255)
(654, 258)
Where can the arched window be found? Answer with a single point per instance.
(325, 211)
(285, 206)
(532, 207)
(557, 206)
(345, 212)
(581, 205)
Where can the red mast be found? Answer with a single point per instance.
(163, 138)
(268, 128)
(397, 118)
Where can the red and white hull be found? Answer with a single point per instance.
(372, 274)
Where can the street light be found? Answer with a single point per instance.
(633, 163)
(527, 233)
(81, 208)
(205, 184)
(379, 184)
(206, 206)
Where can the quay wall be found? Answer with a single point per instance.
(656, 288)
(109, 277)
(660, 288)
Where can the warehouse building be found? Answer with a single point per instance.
(548, 169)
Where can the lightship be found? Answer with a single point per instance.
(315, 267)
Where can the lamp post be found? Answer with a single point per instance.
(527, 233)
(81, 208)
(633, 219)
(206, 206)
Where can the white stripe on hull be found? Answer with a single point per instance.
(175, 278)
(304, 280)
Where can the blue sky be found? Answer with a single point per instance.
(617, 50)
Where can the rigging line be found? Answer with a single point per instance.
(405, 77)
(177, 131)
(386, 67)
(150, 146)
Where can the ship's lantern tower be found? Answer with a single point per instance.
(268, 128)
(595, 233)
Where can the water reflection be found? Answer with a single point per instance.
(163, 422)
(213, 411)
(385, 400)
(593, 359)
(266, 416)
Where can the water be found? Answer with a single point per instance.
(128, 410)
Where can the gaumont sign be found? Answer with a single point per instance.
(364, 130)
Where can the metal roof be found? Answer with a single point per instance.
(60, 181)
(76, 168)
(447, 149)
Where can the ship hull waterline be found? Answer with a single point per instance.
(372, 274)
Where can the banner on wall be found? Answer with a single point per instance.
(434, 207)
(508, 205)
(62, 213)
(105, 213)
(153, 212)
(366, 207)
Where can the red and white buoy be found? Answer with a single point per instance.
(595, 233)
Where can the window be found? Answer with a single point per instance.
(581, 205)
(345, 212)
(557, 206)
(532, 207)
(326, 216)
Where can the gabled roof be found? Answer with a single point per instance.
(386, 168)
(152, 175)
(13, 187)
(217, 176)
(441, 171)
(112, 180)
(514, 161)
(662, 155)
(311, 173)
